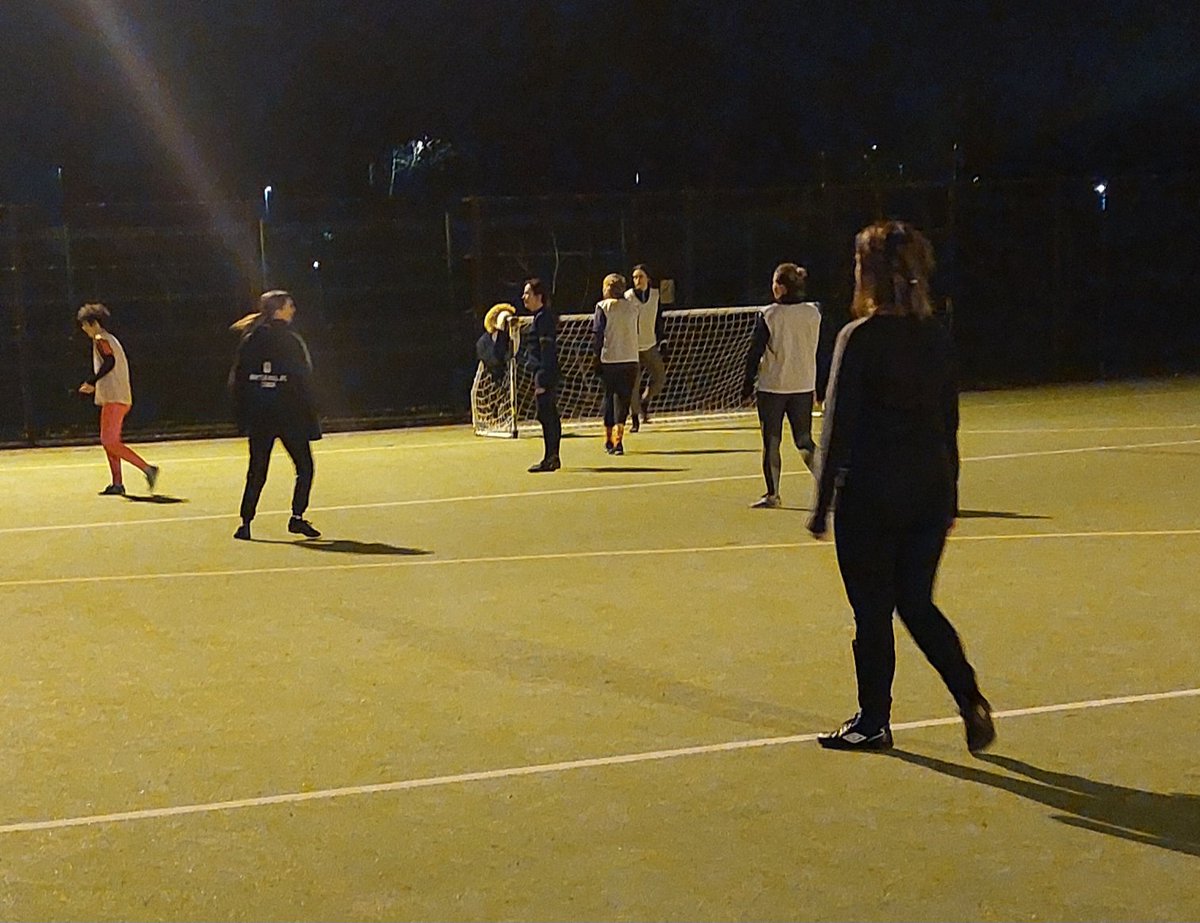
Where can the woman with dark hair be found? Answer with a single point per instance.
(541, 358)
(783, 361)
(889, 448)
(271, 381)
(650, 334)
(615, 350)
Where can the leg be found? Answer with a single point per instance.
(799, 414)
(658, 375)
(917, 567)
(635, 395)
(256, 473)
(770, 422)
(626, 381)
(300, 451)
(112, 419)
(547, 414)
(866, 558)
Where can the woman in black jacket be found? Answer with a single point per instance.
(271, 381)
(889, 446)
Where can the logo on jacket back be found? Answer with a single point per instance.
(265, 378)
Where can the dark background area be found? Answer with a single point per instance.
(427, 156)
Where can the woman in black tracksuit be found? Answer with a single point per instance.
(271, 381)
(889, 447)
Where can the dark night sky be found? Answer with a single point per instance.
(578, 96)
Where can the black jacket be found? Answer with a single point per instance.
(890, 433)
(271, 382)
(541, 355)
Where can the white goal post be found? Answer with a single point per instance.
(706, 364)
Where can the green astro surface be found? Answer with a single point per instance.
(462, 617)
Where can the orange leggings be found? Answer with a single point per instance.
(111, 418)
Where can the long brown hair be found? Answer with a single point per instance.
(895, 261)
(269, 304)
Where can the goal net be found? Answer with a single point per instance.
(705, 360)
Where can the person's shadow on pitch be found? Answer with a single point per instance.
(345, 546)
(154, 498)
(1170, 821)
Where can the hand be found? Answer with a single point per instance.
(596, 364)
(538, 389)
(86, 388)
(747, 390)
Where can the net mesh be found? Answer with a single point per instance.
(705, 352)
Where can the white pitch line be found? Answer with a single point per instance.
(420, 561)
(525, 494)
(513, 772)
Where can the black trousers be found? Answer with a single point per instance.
(891, 566)
(300, 451)
(547, 414)
(620, 378)
(772, 408)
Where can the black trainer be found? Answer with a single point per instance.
(546, 464)
(637, 424)
(152, 476)
(302, 527)
(243, 532)
(618, 449)
(856, 735)
(113, 490)
(977, 721)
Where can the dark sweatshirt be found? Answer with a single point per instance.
(890, 434)
(541, 355)
(271, 381)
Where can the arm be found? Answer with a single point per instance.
(107, 361)
(547, 335)
(949, 401)
(842, 411)
(758, 346)
(599, 323)
(659, 326)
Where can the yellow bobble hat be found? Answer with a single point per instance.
(492, 320)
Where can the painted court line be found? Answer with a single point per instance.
(470, 443)
(513, 772)
(553, 556)
(525, 494)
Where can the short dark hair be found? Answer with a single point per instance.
(646, 269)
(92, 312)
(537, 287)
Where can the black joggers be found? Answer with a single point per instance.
(300, 451)
(891, 567)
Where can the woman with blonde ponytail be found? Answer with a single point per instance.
(889, 449)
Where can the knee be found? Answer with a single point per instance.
(110, 441)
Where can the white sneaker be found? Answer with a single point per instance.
(767, 502)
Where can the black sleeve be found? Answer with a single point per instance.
(107, 361)
(547, 333)
(758, 346)
(599, 322)
(949, 401)
(826, 338)
(659, 325)
(841, 419)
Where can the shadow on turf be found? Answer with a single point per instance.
(344, 546)
(1167, 821)
(529, 661)
(154, 498)
(699, 452)
(996, 514)
(631, 469)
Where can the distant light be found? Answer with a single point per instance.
(975, 178)
(637, 179)
(1100, 188)
(874, 147)
(316, 264)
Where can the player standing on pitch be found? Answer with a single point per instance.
(889, 446)
(109, 383)
(650, 335)
(271, 381)
(615, 351)
(542, 360)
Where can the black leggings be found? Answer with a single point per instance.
(298, 449)
(620, 378)
(547, 414)
(771, 410)
(890, 568)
